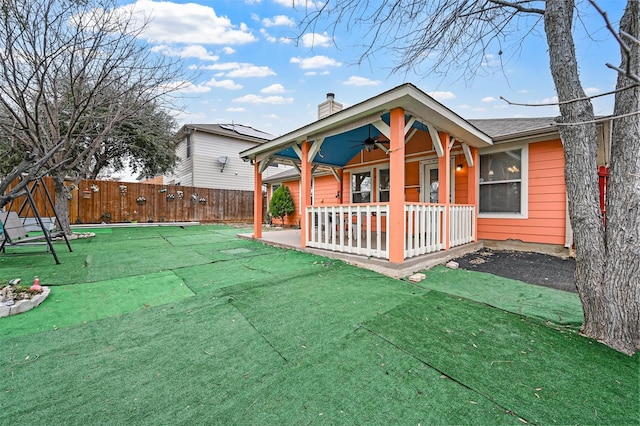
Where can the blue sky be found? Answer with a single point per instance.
(251, 70)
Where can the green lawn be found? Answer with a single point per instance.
(166, 325)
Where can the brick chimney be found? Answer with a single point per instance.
(329, 106)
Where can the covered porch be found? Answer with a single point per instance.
(290, 239)
(376, 214)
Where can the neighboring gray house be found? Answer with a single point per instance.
(209, 156)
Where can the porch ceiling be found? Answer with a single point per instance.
(342, 134)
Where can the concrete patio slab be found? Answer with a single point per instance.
(290, 239)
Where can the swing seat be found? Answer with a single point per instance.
(31, 224)
(14, 232)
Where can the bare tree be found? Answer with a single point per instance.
(71, 71)
(450, 35)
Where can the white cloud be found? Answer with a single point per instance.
(551, 100)
(267, 36)
(490, 60)
(225, 84)
(259, 100)
(590, 91)
(272, 39)
(238, 70)
(189, 88)
(235, 109)
(360, 81)
(442, 96)
(228, 50)
(274, 88)
(298, 3)
(489, 99)
(319, 61)
(191, 51)
(248, 70)
(223, 66)
(187, 23)
(278, 21)
(314, 40)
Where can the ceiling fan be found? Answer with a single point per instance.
(371, 143)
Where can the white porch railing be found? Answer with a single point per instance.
(362, 228)
(424, 226)
(462, 230)
(349, 228)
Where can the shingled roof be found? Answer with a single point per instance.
(499, 128)
(233, 130)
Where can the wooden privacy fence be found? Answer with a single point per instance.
(97, 201)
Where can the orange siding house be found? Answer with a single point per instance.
(399, 175)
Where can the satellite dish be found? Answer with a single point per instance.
(224, 160)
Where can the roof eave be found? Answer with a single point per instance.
(407, 96)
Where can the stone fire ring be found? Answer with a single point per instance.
(24, 305)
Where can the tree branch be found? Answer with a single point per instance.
(518, 6)
(626, 50)
(615, 117)
(571, 100)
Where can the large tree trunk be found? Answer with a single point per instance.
(61, 201)
(622, 274)
(599, 267)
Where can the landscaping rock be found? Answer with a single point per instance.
(452, 265)
(21, 306)
(416, 278)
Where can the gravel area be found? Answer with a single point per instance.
(534, 268)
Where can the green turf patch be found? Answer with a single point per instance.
(548, 304)
(276, 336)
(309, 311)
(162, 365)
(543, 375)
(362, 380)
(78, 304)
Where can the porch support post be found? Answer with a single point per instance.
(444, 184)
(305, 182)
(396, 231)
(473, 187)
(257, 201)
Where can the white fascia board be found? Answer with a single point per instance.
(407, 96)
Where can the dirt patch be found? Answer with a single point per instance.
(533, 268)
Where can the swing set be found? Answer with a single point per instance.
(17, 226)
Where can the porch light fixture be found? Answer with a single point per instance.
(223, 162)
(459, 167)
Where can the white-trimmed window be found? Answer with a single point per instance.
(503, 183)
(188, 145)
(383, 185)
(361, 187)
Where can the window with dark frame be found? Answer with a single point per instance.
(361, 187)
(501, 182)
(383, 185)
